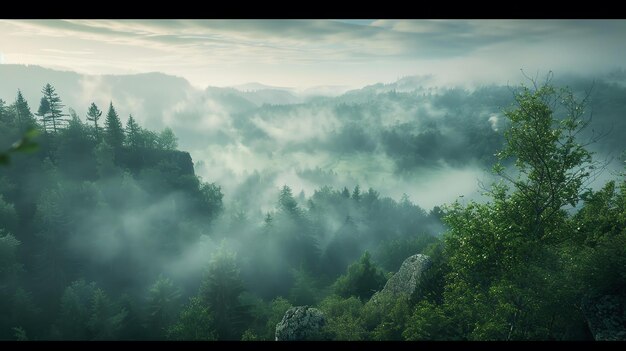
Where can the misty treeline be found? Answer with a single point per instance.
(107, 233)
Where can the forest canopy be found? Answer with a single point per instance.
(107, 233)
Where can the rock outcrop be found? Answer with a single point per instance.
(408, 277)
(300, 323)
(606, 317)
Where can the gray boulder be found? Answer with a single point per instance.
(300, 323)
(606, 317)
(408, 277)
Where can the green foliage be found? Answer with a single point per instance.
(87, 313)
(163, 305)
(114, 133)
(20, 334)
(386, 316)
(210, 199)
(167, 140)
(433, 280)
(221, 290)
(392, 253)
(553, 165)
(25, 144)
(343, 318)
(51, 111)
(194, 323)
(75, 311)
(8, 216)
(286, 201)
(105, 160)
(106, 320)
(362, 280)
(9, 265)
(25, 118)
(507, 279)
(277, 310)
(93, 115)
(428, 322)
(306, 288)
(601, 235)
(249, 335)
(133, 133)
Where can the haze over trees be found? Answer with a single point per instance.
(107, 233)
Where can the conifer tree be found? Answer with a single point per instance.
(114, 132)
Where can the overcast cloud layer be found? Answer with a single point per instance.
(308, 53)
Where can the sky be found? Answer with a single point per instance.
(313, 53)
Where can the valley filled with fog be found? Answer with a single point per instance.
(216, 210)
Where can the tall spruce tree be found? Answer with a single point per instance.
(114, 132)
(23, 114)
(132, 132)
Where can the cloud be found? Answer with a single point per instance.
(287, 50)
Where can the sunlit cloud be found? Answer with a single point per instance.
(305, 53)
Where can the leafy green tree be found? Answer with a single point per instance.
(386, 316)
(344, 320)
(428, 322)
(277, 310)
(553, 165)
(507, 280)
(93, 115)
(194, 323)
(147, 139)
(221, 290)
(210, 200)
(600, 236)
(362, 280)
(167, 140)
(114, 133)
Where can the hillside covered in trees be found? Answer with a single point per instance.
(107, 233)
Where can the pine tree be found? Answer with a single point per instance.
(286, 201)
(345, 192)
(93, 115)
(54, 113)
(220, 291)
(132, 132)
(24, 116)
(114, 132)
(356, 194)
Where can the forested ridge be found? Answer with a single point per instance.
(106, 233)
